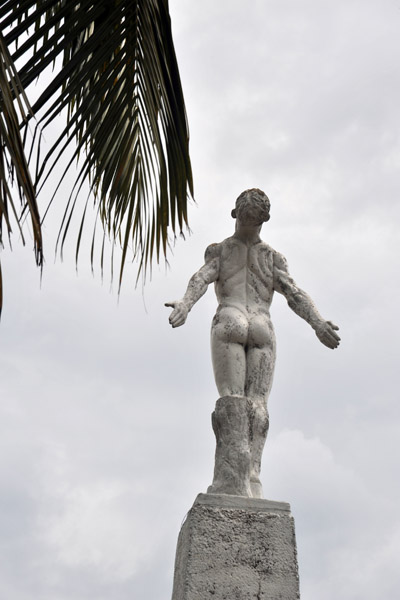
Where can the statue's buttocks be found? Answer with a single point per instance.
(232, 325)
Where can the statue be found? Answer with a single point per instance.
(246, 272)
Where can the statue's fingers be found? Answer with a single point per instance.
(334, 343)
(173, 319)
(176, 319)
(331, 333)
(335, 336)
(330, 344)
(171, 304)
(177, 322)
(331, 339)
(333, 325)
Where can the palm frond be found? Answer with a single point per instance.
(13, 164)
(126, 115)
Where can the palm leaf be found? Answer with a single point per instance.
(13, 164)
(126, 115)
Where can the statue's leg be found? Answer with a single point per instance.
(258, 430)
(229, 333)
(231, 426)
(231, 416)
(260, 359)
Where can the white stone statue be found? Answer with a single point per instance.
(246, 272)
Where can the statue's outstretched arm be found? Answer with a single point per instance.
(197, 287)
(302, 305)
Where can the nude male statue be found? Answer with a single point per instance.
(246, 272)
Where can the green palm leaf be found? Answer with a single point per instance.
(126, 115)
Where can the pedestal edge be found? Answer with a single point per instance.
(242, 503)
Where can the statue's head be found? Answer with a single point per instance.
(252, 206)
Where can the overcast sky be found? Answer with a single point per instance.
(105, 410)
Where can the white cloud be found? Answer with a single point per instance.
(345, 542)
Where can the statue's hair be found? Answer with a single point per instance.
(247, 199)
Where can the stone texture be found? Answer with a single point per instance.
(232, 455)
(233, 548)
(246, 273)
(240, 430)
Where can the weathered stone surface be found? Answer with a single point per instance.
(233, 548)
(246, 272)
(232, 456)
(240, 429)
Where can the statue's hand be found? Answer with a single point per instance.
(179, 314)
(326, 333)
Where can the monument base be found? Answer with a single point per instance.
(236, 548)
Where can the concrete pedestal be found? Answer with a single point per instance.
(236, 548)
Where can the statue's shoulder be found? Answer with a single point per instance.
(264, 247)
(280, 261)
(267, 249)
(212, 251)
(222, 248)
